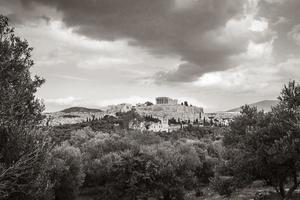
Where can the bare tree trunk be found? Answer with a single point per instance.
(281, 190)
(293, 188)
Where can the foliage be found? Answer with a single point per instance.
(63, 132)
(136, 165)
(151, 119)
(125, 118)
(173, 121)
(18, 102)
(19, 109)
(70, 116)
(148, 103)
(27, 177)
(22, 149)
(222, 185)
(267, 145)
(66, 171)
(144, 138)
(195, 132)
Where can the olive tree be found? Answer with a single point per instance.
(267, 145)
(22, 155)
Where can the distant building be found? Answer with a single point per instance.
(166, 100)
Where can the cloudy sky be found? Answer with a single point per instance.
(215, 54)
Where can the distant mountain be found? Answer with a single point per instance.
(261, 105)
(80, 109)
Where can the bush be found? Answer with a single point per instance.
(222, 185)
(66, 171)
(127, 167)
(206, 171)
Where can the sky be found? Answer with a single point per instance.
(214, 54)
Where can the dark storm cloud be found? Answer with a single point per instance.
(284, 16)
(185, 71)
(20, 13)
(177, 27)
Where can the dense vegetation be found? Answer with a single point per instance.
(22, 149)
(104, 159)
(267, 145)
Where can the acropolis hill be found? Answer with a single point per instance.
(168, 108)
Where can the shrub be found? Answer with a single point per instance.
(222, 185)
(206, 170)
(66, 171)
(81, 136)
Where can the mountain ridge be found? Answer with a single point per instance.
(80, 109)
(265, 105)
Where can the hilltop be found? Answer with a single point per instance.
(261, 105)
(80, 109)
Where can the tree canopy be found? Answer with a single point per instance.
(19, 108)
(267, 145)
(22, 155)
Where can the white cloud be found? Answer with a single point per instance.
(239, 79)
(259, 51)
(258, 25)
(263, 79)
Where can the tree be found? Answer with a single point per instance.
(66, 171)
(148, 103)
(21, 153)
(267, 145)
(125, 118)
(18, 88)
(290, 96)
(19, 108)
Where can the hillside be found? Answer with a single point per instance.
(176, 111)
(261, 105)
(80, 109)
